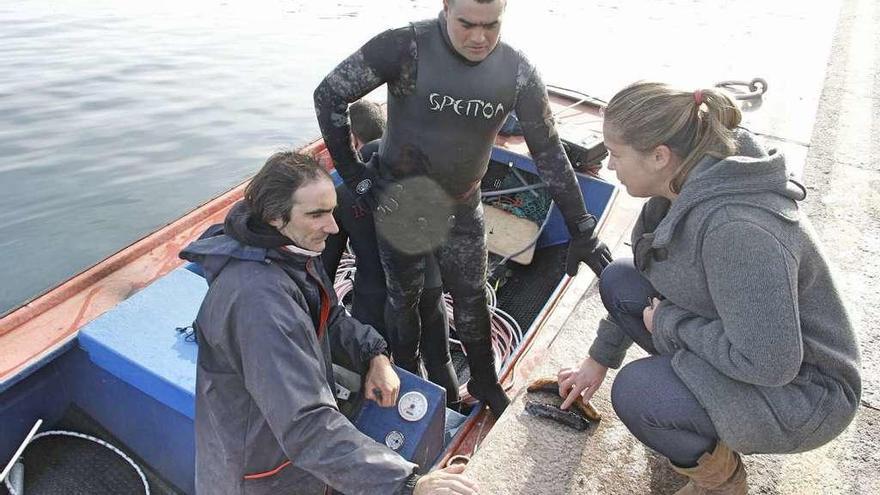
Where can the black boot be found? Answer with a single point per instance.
(483, 384)
(444, 375)
(405, 348)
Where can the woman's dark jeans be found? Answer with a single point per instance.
(647, 395)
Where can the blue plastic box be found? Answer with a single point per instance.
(419, 441)
(597, 196)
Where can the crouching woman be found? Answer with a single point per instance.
(752, 350)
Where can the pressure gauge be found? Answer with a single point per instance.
(412, 406)
(394, 440)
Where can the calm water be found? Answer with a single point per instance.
(116, 117)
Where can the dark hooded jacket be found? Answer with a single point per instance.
(266, 417)
(752, 316)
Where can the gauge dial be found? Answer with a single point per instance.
(394, 440)
(412, 406)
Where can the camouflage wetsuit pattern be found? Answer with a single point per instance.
(444, 113)
(369, 295)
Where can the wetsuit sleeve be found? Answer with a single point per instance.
(334, 247)
(279, 357)
(336, 243)
(387, 58)
(353, 341)
(536, 119)
(753, 281)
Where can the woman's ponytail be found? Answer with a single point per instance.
(693, 124)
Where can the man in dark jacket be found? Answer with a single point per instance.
(451, 85)
(266, 418)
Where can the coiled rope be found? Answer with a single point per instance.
(505, 330)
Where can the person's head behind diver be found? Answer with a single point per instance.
(367, 122)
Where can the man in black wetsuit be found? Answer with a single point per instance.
(356, 223)
(369, 295)
(451, 85)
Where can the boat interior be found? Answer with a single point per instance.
(110, 354)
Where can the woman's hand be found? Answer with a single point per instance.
(447, 481)
(382, 383)
(648, 314)
(582, 381)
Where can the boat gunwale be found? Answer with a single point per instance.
(83, 297)
(107, 271)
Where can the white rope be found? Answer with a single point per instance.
(505, 330)
(345, 273)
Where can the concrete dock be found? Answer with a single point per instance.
(829, 123)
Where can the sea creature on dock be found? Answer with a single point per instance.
(579, 417)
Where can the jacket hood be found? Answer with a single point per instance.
(753, 177)
(241, 237)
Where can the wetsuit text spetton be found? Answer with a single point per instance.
(466, 108)
(445, 107)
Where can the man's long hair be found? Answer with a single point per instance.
(269, 196)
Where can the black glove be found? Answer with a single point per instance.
(370, 192)
(585, 246)
(387, 198)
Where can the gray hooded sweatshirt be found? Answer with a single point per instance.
(751, 316)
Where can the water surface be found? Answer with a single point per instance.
(116, 117)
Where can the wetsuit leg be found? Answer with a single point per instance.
(435, 334)
(404, 279)
(368, 307)
(463, 260)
